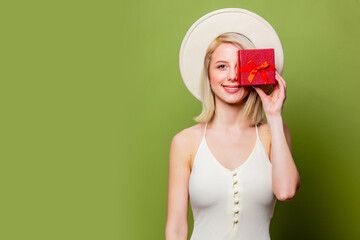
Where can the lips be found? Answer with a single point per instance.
(231, 88)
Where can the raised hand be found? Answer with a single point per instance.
(273, 104)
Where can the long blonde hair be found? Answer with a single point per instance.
(253, 109)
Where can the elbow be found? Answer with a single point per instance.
(174, 236)
(174, 233)
(288, 193)
(286, 196)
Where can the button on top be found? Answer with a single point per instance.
(236, 210)
(236, 200)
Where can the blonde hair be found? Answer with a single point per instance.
(253, 109)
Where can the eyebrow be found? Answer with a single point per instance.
(221, 61)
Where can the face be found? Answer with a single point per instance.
(223, 75)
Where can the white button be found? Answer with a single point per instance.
(235, 220)
(235, 173)
(236, 200)
(236, 210)
(235, 181)
(236, 191)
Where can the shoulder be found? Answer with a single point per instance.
(185, 136)
(186, 141)
(265, 137)
(264, 129)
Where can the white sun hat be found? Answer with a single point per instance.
(211, 25)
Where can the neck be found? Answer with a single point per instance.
(229, 116)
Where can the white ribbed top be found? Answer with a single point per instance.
(236, 204)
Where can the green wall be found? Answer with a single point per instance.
(91, 96)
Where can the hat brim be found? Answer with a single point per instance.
(211, 25)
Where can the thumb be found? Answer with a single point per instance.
(261, 93)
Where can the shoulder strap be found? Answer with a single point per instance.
(257, 132)
(205, 129)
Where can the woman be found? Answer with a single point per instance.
(233, 164)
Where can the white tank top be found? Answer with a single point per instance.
(236, 204)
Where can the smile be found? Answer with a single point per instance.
(231, 89)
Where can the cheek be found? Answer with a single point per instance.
(212, 77)
(217, 76)
(245, 91)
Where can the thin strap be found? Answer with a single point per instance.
(205, 129)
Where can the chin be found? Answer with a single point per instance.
(233, 100)
(236, 98)
(236, 102)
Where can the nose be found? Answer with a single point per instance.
(233, 74)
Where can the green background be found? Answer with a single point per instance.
(91, 96)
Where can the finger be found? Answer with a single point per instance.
(261, 93)
(276, 87)
(280, 85)
(278, 76)
(284, 84)
(281, 78)
(277, 82)
(281, 82)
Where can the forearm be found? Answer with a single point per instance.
(285, 176)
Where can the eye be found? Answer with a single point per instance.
(221, 66)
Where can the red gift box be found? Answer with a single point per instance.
(256, 67)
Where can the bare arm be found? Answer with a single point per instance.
(179, 173)
(285, 176)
